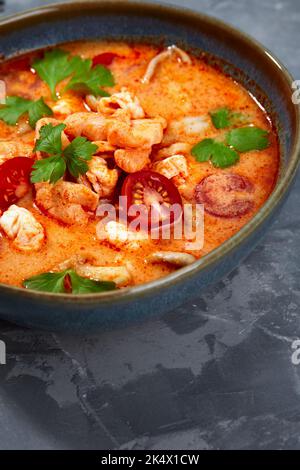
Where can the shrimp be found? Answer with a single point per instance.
(102, 179)
(67, 105)
(103, 148)
(11, 149)
(182, 148)
(122, 100)
(118, 235)
(90, 125)
(132, 160)
(173, 166)
(139, 133)
(66, 201)
(187, 127)
(21, 226)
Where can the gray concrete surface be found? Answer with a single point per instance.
(215, 374)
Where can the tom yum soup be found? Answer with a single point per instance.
(90, 132)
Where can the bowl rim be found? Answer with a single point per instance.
(223, 250)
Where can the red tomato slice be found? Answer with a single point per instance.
(106, 58)
(14, 180)
(154, 194)
(225, 194)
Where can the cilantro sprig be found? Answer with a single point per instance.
(224, 154)
(244, 139)
(15, 107)
(224, 117)
(74, 157)
(58, 65)
(87, 78)
(56, 283)
(220, 155)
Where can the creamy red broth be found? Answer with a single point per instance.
(176, 90)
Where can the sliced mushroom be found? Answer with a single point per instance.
(70, 263)
(183, 56)
(173, 257)
(118, 274)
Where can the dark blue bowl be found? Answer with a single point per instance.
(239, 56)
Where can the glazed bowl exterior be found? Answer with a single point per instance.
(240, 57)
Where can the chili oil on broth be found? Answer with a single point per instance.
(177, 90)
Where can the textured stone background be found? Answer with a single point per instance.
(216, 373)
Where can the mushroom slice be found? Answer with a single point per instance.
(69, 263)
(173, 257)
(183, 56)
(118, 274)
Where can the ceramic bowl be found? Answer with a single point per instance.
(239, 56)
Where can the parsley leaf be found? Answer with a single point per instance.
(220, 118)
(58, 65)
(50, 139)
(224, 117)
(15, 107)
(37, 110)
(83, 285)
(48, 169)
(55, 282)
(47, 282)
(55, 66)
(220, 155)
(244, 139)
(77, 154)
(74, 157)
(88, 79)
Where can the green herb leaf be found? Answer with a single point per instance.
(77, 154)
(58, 65)
(74, 157)
(220, 155)
(223, 156)
(83, 285)
(55, 67)
(224, 117)
(54, 282)
(37, 110)
(203, 150)
(50, 139)
(15, 107)
(47, 282)
(88, 79)
(220, 118)
(48, 169)
(244, 139)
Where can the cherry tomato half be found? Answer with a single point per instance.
(14, 180)
(106, 58)
(154, 194)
